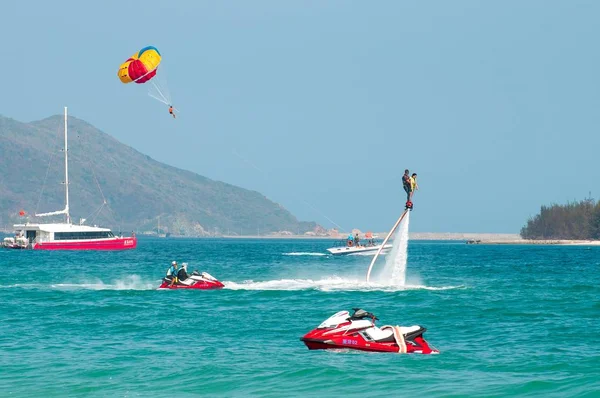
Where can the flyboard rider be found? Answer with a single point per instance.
(409, 183)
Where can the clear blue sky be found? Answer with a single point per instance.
(494, 104)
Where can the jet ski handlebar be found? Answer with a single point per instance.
(361, 314)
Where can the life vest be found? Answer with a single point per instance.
(182, 274)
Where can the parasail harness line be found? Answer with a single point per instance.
(164, 101)
(385, 241)
(164, 98)
(160, 97)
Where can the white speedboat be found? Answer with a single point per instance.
(344, 248)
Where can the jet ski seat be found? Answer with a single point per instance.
(406, 330)
(188, 281)
(410, 332)
(387, 333)
(380, 335)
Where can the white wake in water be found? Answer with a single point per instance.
(132, 282)
(393, 273)
(304, 254)
(326, 284)
(333, 283)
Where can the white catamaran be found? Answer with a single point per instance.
(66, 235)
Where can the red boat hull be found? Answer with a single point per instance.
(199, 285)
(358, 343)
(91, 244)
(340, 338)
(319, 345)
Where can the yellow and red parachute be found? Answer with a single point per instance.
(141, 66)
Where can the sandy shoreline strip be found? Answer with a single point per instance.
(473, 238)
(381, 235)
(563, 242)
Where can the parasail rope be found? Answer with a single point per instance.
(166, 100)
(265, 175)
(328, 219)
(158, 99)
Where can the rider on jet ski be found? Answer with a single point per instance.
(172, 273)
(182, 273)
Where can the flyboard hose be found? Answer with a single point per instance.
(384, 242)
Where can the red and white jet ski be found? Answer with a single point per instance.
(201, 281)
(358, 332)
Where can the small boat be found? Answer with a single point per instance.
(353, 245)
(200, 281)
(66, 235)
(358, 332)
(17, 242)
(345, 249)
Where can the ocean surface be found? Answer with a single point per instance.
(508, 321)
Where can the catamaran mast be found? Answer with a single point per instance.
(66, 172)
(65, 211)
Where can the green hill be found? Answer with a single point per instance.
(138, 190)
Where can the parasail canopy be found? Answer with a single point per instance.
(141, 66)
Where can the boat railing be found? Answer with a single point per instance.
(361, 243)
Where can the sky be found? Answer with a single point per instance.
(321, 105)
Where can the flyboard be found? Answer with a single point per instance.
(406, 210)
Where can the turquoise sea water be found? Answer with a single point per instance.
(508, 320)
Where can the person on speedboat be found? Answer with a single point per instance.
(172, 273)
(350, 239)
(356, 240)
(407, 185)
(182, 273)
